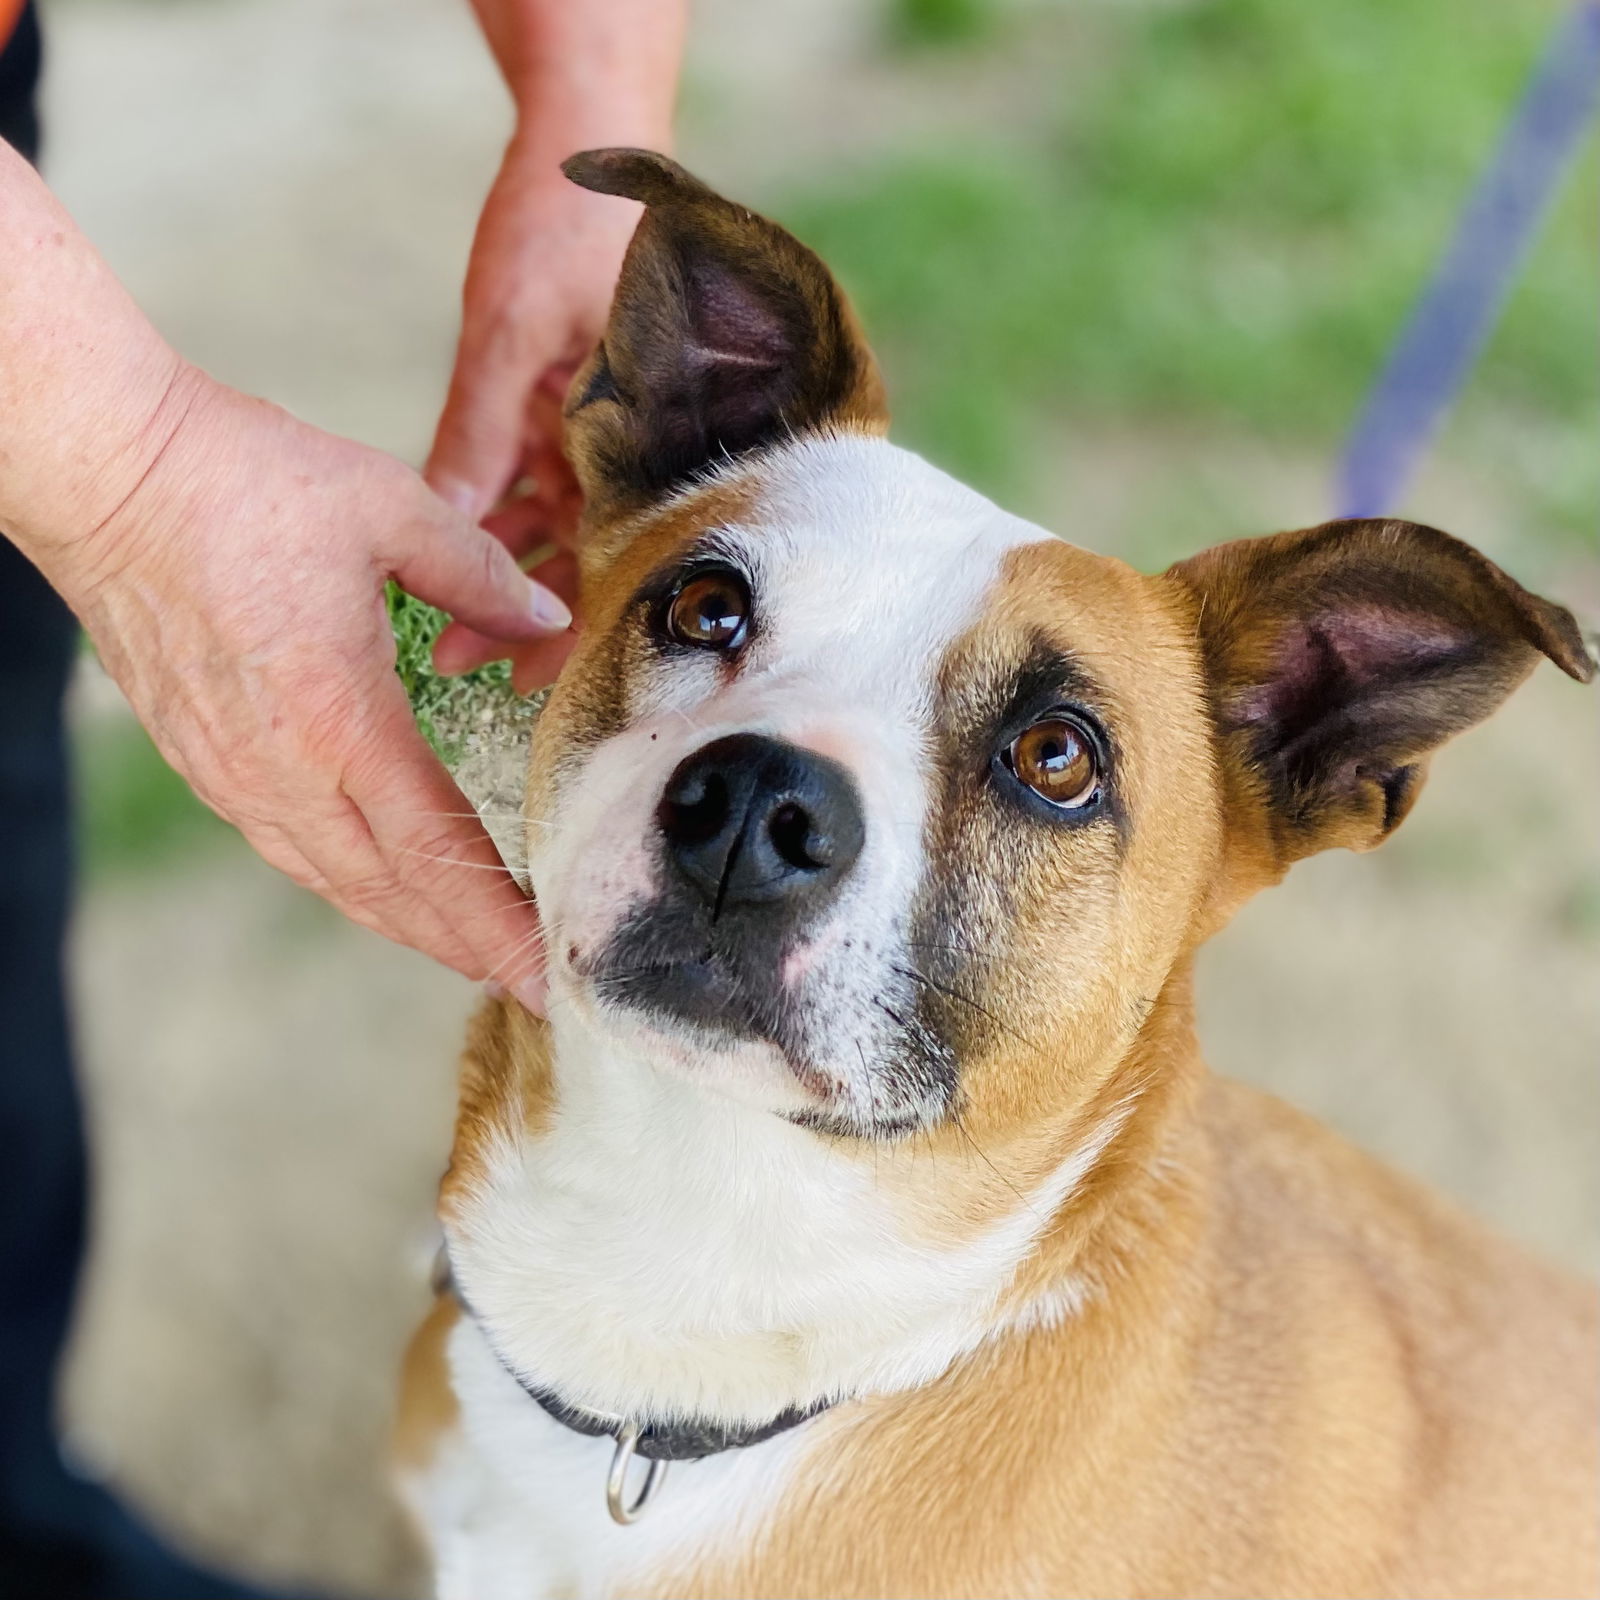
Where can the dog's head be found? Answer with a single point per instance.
(870, 804)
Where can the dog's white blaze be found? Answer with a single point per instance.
(866, 564)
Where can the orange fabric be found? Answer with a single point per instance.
(10, 10)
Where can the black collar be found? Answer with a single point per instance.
(671, 1441)
(657, 1441)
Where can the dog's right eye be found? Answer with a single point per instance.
(1056, 757)
(710, 611)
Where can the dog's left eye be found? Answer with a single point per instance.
(1056, 759)
(711, 611)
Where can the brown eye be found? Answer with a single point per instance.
(1055, 759)
(710, 612)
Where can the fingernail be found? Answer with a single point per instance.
(493, 990)
(549, 610)
(531, 992)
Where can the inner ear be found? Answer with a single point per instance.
(736, 326)
(1360, 681)
(726, 335)
(1339, 658)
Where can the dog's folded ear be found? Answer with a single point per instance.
(1340, 657)
(726, 334)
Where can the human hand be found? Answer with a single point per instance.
(543, 266)
(237, 596)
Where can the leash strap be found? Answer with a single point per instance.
(1460, 307)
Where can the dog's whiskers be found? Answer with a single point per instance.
(944, 949)
(535, 937)
(959, 1123)
(951, 993)
(509, 814)
(450, 861)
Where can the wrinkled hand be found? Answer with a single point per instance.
(544, 263)
(237, 595)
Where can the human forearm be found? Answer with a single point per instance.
(229, 563)
(89, 391)
(585, 73)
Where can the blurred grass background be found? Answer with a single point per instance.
(1222, 216)
(1131, 265)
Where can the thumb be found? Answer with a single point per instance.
(448, 562)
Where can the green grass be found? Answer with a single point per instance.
(1224, 224)
(942, 24)
(445, 708)
(134, 812)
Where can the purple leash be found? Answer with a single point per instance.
(1459, 309)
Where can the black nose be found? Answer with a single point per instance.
(750, 821)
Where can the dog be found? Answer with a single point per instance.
(866, 1167)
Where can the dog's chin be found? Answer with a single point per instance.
(696, 1019)
(706, 997)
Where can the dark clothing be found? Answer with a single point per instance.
(61, 1537)
(19, 77)
(42, 1182)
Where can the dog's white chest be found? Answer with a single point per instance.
(515, 1503)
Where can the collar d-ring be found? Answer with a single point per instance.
(621, 1508)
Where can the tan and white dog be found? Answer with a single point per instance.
(867, 1159)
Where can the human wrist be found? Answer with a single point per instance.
(188, 438)
(579, 236)
(585, 77)
(84, 527)
(85, 380)
(543, 136)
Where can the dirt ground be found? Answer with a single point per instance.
(289, 187)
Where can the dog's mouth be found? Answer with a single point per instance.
(682, 971)
(683, 975)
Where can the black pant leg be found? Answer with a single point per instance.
(43, 1178)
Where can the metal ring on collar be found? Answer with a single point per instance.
(622, 1511)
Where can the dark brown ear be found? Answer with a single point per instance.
(1339, 658)
(726, 334)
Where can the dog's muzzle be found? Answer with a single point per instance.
(760, 831)
(756, 837)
